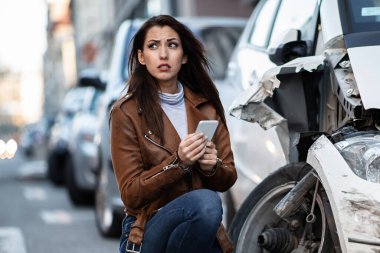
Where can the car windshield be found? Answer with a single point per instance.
(219, 43)
(363, 15)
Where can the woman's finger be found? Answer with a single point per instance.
(197, 152)
(194, 148)
(190, 138)
(211, 145)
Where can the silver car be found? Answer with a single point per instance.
(81, 160)
(57, 147)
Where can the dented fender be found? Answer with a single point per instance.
(355, 202)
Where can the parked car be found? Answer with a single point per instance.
(219, 36)
(81, 160)
(77, 99)
(108, 205)
(35, 136)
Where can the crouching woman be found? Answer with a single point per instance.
(169, 176)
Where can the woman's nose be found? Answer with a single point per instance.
(163, 53)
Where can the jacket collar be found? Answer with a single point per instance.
(192, 97)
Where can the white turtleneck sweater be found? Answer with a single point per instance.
(174, 107)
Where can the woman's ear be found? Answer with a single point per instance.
(140, 57)
(184, 59)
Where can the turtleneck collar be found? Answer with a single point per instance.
(172, 99)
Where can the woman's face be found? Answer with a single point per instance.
(163, 55)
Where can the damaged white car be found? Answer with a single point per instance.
(323, 101)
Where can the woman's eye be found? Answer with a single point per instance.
(173, 45)
(152, 46)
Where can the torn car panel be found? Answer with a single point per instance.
(258, 92)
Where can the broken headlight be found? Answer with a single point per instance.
(362, 153)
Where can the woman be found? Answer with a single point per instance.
(167, 174)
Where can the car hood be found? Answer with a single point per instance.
(365, 66)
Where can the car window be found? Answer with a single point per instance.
(364, 15)
(298, 18)
(219, 43)
(263, 24)
(130, 35)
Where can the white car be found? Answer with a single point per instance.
(257, 152)
(313, 78)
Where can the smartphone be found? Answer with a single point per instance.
(207, 127)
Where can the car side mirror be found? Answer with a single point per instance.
(91, 78)
(287, 46)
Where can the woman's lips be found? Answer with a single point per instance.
(164, 67)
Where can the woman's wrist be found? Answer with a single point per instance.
(185, 167)
(212, 170)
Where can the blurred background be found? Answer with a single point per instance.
(45, 44)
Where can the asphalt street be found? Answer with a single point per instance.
(37, 216)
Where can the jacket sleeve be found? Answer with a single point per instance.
(137, 186)
(225, 174)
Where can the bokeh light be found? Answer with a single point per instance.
(2, 149)
(8, 150)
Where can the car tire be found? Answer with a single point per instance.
(77, 195)
(55, 173)
(256, 213)
(108, 220)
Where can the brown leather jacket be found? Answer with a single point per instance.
(146, 171)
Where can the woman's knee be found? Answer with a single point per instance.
(208, 205)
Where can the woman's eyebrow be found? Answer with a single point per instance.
(152, 40)
(157, 40)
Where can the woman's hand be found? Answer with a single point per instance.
(209, 159)
(191, 148)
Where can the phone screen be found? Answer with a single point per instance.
(207, 127)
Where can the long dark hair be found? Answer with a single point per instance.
(194, 74)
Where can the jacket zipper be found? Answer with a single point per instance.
(157, 144)
(168, 167)
(165, 168)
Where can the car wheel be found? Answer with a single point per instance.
(55, 173)
(108, 220)
(77, 195)
(257, 228)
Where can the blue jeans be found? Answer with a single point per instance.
(187, 224)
